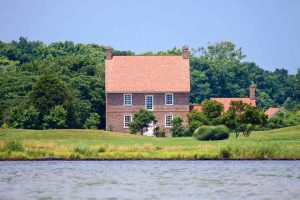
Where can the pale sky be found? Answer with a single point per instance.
(267, 30)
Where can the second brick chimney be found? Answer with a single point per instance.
(185, 52)
(252, 92)
(108, 53)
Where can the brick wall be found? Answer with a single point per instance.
(115, 110)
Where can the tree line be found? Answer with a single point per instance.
(61, 85)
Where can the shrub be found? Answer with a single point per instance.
(1, 117)
(211, 133)
(195, 119)
(101, 150)
(225, 153)
(92, 122)
(193, 125)
(220, 132)
(141, 121)
(56, 118)
(203, 133)
(4, 126)
(158, 132)
(15, 117)
(177, 129)
(30, 118)
(83, 150)
(13, 146)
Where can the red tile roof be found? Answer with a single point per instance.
(147, 74)
(226, 101)
(272, 111)
(198, 108)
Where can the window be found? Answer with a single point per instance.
(127, 120)
(149, 102)
(169, 98)
(168, 120)
(127, 99)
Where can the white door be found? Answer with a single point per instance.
(150, 130)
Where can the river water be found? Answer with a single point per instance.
(150, 180)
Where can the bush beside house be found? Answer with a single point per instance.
(219, 132)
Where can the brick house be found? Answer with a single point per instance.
(160, 84)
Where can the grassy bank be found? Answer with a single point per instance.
(97, 144)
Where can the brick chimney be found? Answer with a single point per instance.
(108, 53)
(185, 52)
(252, 92)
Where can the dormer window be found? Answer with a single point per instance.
(127, 99)
(169, 100)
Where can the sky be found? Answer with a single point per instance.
(268, 31)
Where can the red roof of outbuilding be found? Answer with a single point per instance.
(226, 101)
(136, 74)
(197, 108)
(272, 111)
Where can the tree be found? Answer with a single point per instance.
(30, 118)
(215, 70)
(15, 117)
(56, 118)
(177, 128)
(212, 109)
(297, 86)
(48, 92)
(92, 122)
(141, 121)
(289, 104)
(241, 117)
(196, 119)
(158, 132)
(264, 101)
(1, 117)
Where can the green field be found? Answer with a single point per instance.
(97, 144)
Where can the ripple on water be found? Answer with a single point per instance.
(150, 180)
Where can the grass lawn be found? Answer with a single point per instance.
(97, 144)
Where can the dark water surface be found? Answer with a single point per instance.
(150, 180)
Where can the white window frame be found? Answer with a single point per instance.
(166, 94)
(152, 102)
(170, 121)
(124, 102)
(125, 121)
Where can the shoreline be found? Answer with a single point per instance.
(99, 145)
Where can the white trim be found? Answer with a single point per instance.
(166, 99)
(124, 120)
(152, 102)
(130, 99)
(166, 121)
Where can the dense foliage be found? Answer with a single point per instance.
(141, 121)
(212, 109)
(242, 117)
(219, 132)
(44, 76)
(36, 77)
(177, 130)
(219, 71)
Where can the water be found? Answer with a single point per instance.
(150, 180)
